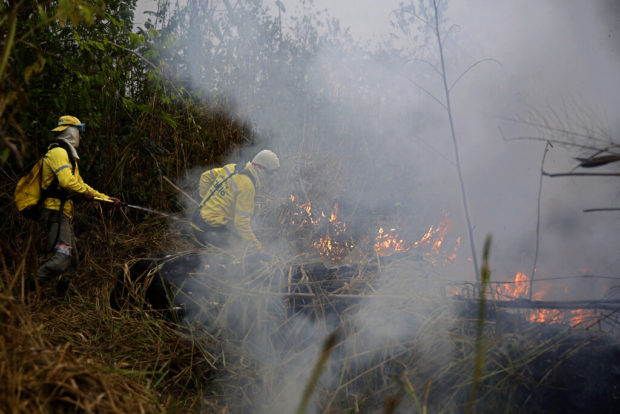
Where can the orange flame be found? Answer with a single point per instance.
(519, 288)
(580, 316)
(452, 256)
(387, 243)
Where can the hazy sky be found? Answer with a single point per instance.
(365, 18)
(355, 14)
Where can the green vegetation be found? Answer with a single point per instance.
(82, 58)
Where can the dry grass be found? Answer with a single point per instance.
(44, 374)
(76, 354)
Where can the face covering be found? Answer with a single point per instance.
(257, 174)
(71, 136)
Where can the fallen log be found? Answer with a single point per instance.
(542, 304)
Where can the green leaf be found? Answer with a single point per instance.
(136, 39)
(96, 44)
(4, 155)
(169, 120)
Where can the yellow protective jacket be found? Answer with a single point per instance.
(56, 164)
(232, 202)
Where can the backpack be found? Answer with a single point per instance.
(29, 195)
(196, 219)
(28, 191)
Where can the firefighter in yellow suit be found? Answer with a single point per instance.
(227, 200)
(60, 180)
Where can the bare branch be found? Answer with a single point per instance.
(444, 78)
(540, 184)
(433, 67)
(445, 38)
(539, 304)
(471, 67)
(555, 129)
(574, 174)
(555, 141)
(425, 91)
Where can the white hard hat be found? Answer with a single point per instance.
(266, 160)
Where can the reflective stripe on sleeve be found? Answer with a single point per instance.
(243, 213)
(61, 168)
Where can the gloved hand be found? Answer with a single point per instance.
(117, 202)
(89, 196)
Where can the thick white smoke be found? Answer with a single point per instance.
(552, 63)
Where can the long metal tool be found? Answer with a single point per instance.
(146, 209)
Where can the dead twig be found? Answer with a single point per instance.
(574, 174)
(190, 198)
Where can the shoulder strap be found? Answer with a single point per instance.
(243, 171)
(217, 187)
(65, 146)
(238, 170)
(196, 215)
(52, 190)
